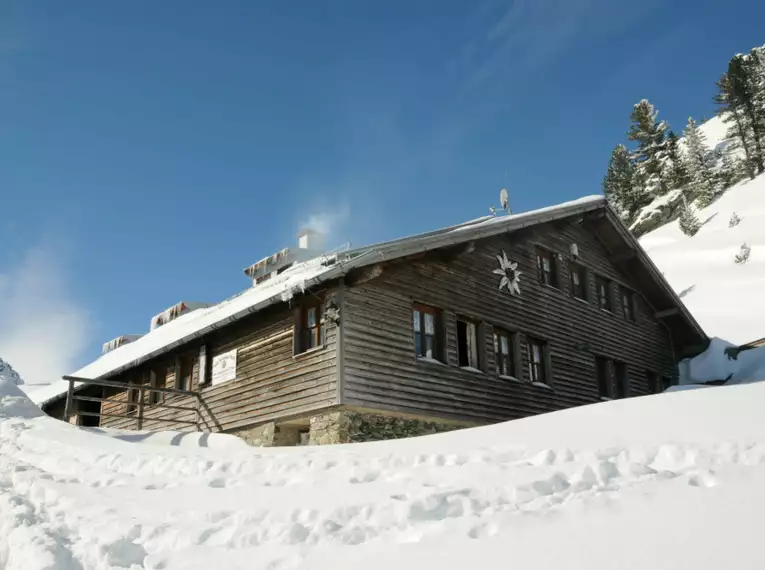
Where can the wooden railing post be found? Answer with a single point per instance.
(199, 412)
(69, 401)
(140, 406)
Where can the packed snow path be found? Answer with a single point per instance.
(668, 481)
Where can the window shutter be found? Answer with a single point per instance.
(517, 371)
(444, 320)
(588, 285)
(202, 365)
(296, 330)
(548, 365)
(616, 302)
(557, 269)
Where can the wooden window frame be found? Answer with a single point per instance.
(154, 378)
(580, 271)
(309, 338)
(180, 366)
(628, 308)
(653, 381)
(437, 352)
(540, 372)
(541, 254)
(510, 369)
(479, 341)
(621, 379)
(131, 400)
(608, 305)
(608, 385)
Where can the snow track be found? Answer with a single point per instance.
(76, 499)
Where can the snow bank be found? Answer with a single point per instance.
(175, 438)
(717, 363)
(665, 481)
(725, 298)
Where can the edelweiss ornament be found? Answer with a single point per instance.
(510, 274)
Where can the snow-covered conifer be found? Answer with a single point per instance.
(689, 222)
(699, 164)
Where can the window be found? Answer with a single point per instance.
(426, 324)
(653, 382)
(628, 304)
(578, 282)
(603, 288)
(157, 379)
(546, 267)
(183, 372)
(621, 381)
(309, 327)
(537, 360)
(603, 376)
(132, 401)
(467, 344)
(504, 354)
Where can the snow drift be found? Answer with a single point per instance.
(665, 481)
(725, 297)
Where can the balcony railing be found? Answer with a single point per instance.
(133, 410)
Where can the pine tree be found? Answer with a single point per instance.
(700, 164)
(743, 76)
(689, 223)
(730, 171)
(677, 169)
(729, 108)
(651, 155)
(735, 220)
(743, 254)
(620, 187)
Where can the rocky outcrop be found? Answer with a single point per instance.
(9, 374)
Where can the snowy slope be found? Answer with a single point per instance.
(662, 482)
(726, 298)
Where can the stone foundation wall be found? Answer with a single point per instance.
(343, 426)
(270, 435)
(262, 435)
(347, 426)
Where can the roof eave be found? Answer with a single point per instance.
(645, 259)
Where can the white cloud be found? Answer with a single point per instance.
(42, 329)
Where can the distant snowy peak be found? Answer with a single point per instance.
(8, 373)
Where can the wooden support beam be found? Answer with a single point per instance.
(69, 407)
(667, 313)
(139, 416)
(125, 386)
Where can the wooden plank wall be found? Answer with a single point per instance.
(381, 370)
(271, 382)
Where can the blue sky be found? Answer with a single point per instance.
(151, 150)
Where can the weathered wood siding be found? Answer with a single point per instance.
(381, 370)
(271, 382)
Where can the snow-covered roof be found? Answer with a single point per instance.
(302, 276)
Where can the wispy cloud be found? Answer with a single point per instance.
(520, 34)
(42, 328)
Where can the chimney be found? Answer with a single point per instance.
(310, 245)
(311, 240)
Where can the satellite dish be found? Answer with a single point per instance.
(503, 198)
